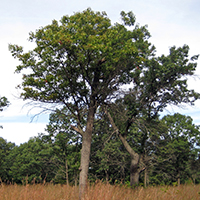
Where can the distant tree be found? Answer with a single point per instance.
(5, 150)
(31, 162)
(176, 148)
(66, 145)
(3, 103)
(81, 63)
(194, 164)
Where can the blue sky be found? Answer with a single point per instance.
(171, 22)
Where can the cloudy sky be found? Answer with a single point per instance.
(171, 22)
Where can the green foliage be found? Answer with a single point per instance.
(5, 150)
(171, 154)
(162, 81)
(3, 103)
(180, 125)
(81, 59)
(157, 83)
(194, 168)
(109, 160)
(30, 161)
(65, 145)
(175, 149)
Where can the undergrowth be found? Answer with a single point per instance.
(98, 191)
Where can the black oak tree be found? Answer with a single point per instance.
(81, 62)
(161, 81)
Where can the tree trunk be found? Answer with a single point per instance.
(135, 158)
(107, 175)
(85, 152)
(66, 172)
(76, 179)
(134, 170)
(179, 180)
(145, 178)
(85, 159)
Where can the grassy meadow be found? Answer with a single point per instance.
(98, 191)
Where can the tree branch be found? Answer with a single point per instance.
(77, 129)
(123, 140)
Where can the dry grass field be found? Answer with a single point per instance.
(99, 191)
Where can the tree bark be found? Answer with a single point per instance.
(145, 178)
(66, 171)
(179, 180)
(107, 175)
(134, 170)
(85, 152)
(76, 180)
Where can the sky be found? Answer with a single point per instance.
(171, 22)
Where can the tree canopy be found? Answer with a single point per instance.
(3, 103)
(80, 58)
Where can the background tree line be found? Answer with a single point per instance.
(169, 155)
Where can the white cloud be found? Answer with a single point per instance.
(21, 132)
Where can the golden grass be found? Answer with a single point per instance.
(98, 191)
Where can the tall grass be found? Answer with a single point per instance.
(98, 191)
